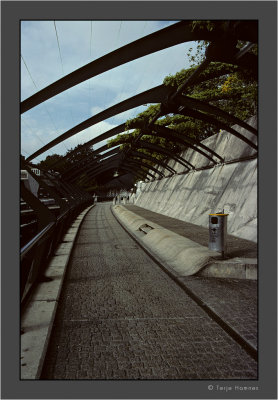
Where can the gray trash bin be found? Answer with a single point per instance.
(218, 233)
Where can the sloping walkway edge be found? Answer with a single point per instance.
(37, 320)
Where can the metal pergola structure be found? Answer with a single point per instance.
(222, 48)
(70, 198)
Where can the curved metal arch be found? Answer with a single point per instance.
(121, 128)
(154, 95)
(225, 51)
(85, 158)
(118, 155)
(112, 166)
(80, 165)
(143, 164)
(162, 150)
(153, 159)
(125, 168)
(107, 154)
(104, 136)
(70, 175)
(116, 158)
(129, 167)
(171, 134)
(178, 33)
(85, 168)
(136, 172)
(190, 102)
(207, 118)
(137, 167)
(186, 139)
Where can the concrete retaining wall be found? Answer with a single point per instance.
(231, 187)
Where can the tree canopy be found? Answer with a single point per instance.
(76, 157)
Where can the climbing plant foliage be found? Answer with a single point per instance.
(222, 85)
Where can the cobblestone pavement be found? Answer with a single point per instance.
(234, 300)
(236, 247)
(121, 317)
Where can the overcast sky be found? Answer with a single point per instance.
(51, 50)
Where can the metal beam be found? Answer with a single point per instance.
(178, 33)
(162, 150)
(154, 95)
(153, 159)
(174, 136)
(79, 171)
(195, 104)
(117, 159)
(89, 172)
(212, 121)
(115, 165)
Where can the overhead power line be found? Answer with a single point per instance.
(91, 38)
(89, 81)
(60, 54)
(29, 72)
(34, 83)
(59, 47)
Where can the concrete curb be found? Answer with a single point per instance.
(37, 320)
(182, 256)
(237, 268)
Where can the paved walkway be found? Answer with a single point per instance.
(121, 317)
(234, 300)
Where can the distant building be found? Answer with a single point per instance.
(36, 171)
(29, 182)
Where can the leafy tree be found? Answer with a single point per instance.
(75, 158)
(50, 161)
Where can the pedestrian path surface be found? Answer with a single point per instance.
(234, 300)
(121, 317)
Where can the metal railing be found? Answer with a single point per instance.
(47, 231)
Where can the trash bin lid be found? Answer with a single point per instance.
(219, 214)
